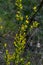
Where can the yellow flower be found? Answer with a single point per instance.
(23, 42)
(16, 4)
(24, 33)
(5, 45)
(1, 27)
(20, 0)
(15, 44)
(22, 28)
(20, 6)
(21, 18)
(28, 63)
(8, 63)
(25, 26)
(35, 24)
(31, 26)
(21, 59)
(17, 15)
(26, 16)
(16, 35)
(35, 8)
(27, 21)
(18, 12)
(10, 57)
(19, 49)
(6, 51)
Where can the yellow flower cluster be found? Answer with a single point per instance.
(28, 63)
(1, 27)
(20, 40)
(9, 57)
(19, 7)
(5, 45)
(19, 16)
(19, 43)
(18, 4)
(35, 8)
(26, 16)
(6, 51)
(35, 24)
(23, 27)
(27, 21)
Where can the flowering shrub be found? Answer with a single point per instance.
(17, 20)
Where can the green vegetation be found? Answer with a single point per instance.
(21, 21)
